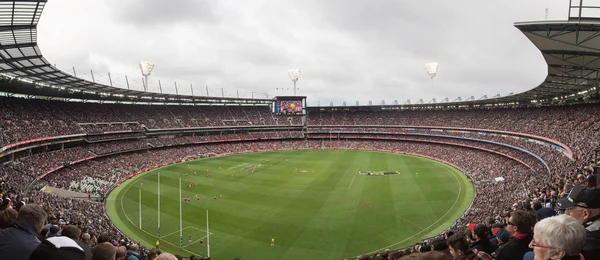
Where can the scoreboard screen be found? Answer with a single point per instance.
(288, 107)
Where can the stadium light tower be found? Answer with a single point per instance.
(146, 68)
(294, 76)
(431, 69)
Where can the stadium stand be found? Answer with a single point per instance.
(541, 147)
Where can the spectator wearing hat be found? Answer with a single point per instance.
(544, 213)
(502, 237)
(558, 237)
(519, 226)
(482, 241)
(583, 203)
(459, 248)
(54, 229)
(22, 237)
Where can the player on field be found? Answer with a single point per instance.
(201, 241)
(190, 240)
(272, 241)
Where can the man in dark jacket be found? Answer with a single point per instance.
(583, 203)
(482, 240)
(19, 240)
(459, 248)
(519, 225)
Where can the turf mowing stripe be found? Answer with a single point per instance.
(353, 177)
(455, 202)
(311, 214)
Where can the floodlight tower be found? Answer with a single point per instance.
(294, 76)
(146, 68)
(431, 69)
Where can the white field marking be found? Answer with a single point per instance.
(456, 201)
(150, 234)
(201, 230)
(175, 232)
(239, 165)
(353, 177)
(194, 242)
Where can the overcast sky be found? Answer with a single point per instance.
(348, 50)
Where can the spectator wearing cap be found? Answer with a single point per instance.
(54, 229)
(583, 203)
(519, 226)
(22, 237)
(459, 248)
(544, 213)
(502, 237)
(482, 241)
(558, 237)
(104, 251)
(6, 204)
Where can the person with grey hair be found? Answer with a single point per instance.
(18, 241)
(558, 237)
(583, 203)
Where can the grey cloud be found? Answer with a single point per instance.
(348, 49)
(147, 14)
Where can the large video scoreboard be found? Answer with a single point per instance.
(290, 105)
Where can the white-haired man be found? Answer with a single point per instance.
(558, 237)
(583, 203)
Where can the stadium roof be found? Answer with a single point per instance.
(21, 59)
(569, 48)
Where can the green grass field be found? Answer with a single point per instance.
(312, 202)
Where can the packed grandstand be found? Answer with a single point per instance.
(540, 148)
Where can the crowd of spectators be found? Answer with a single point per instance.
(576, 126)
(26, 119)
(505, 207)
(90, 215)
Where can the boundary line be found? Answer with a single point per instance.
(353, 177)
